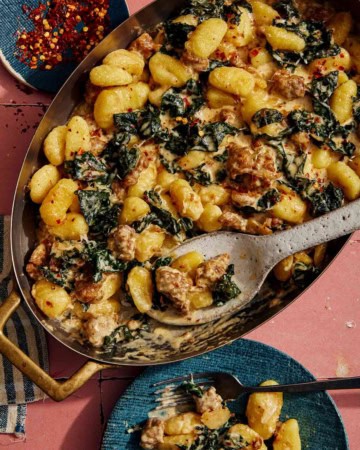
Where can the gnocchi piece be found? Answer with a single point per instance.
(263, 410)
(149, 243)
(200, 298)
(216, 418)
(247, 434)
(188, 263)
(263, 14)
(322, 158)
(192, 159)
(131, 62)
(290, 208)
(207, 37)
(259, 56)
(217, 98)
(214, 194)
(118, 100)
(54, 145)
(140, 286)
(134, 208)
(341, 62)
(232, 80)
(343, 175)
(174, 442)
(42, 181)
(185, 423)
(77, 137)
(319, 254)
(355, 165)
(243, 33)
(168, 71)
(145, 182)
(156, 95)
(209, 219)
(187, 202)
(73, 227)
(106, 307)
(52, 299)
(110, 284)
(165, 178)
(341, 102)
(187, 19)
(252, 104)
(341, 24)
(58, 200)
(107, 75)
(283, 269)
(281, 39)
(287, 436)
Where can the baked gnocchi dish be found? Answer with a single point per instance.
(211, 425)
(233, 115)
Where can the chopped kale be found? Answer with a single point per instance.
(61, 277)
(268, 200)
(99, 214)
(322, 202)
(232, 12)
(126, 122)
(127, 161)
(101, 259)
(204, 9)
(210, 137)
(356, 105)
(141, 224)
(162, 261)
(149, 124)
(267, 116)
(225, 289)
(85, 306)
(303, 274)
(177, 141)
(198, 175)
(170, 166)
(322, 88)
(87, 167)
(118, 157)
(186, 224)
(121, 333)
(286, 9)
(191, 388)
(214, 63)
(220, 175)
(183, 101)
(177, 33)
(315, 125)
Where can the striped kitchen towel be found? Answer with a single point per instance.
(23, 330)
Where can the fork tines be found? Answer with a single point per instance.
(204, 375)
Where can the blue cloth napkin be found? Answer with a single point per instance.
(23, 330)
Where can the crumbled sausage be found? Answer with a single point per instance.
(96, 328)
(301, 139)
(195, 62)
(144, 45)
(175, 285)
(251, 169)
(233, 220)
(38, 258)
(122, 242)
(239, 57)
(119, 190)
(288, 85)
(211, 270)
(209, 401)
(153, 433)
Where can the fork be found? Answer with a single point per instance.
(230, 388)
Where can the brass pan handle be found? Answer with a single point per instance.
(58, 391)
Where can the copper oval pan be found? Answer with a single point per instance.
(23, 236)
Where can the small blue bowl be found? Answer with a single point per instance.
(14, 18)
(321, 427)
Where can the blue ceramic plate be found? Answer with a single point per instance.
(13, 18)
(321, 427)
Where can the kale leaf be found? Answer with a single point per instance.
(183, 101)
(126, 122)
(149, 124)
(177, 33)
(322, 88)
(286, 9)
(326, 200)
(267, 116)
(223, 157)
(170, 166)
(191, 388)
(99, 214)
(198, 175)
(162, 261)
(210, 137)
(101, 259)
(303, 273)
(61, 277)
(127, 161)
(87, 167)
(204, 9)
(225, 289)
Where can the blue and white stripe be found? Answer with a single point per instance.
(22, 329)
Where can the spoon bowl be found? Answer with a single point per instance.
(254, 257)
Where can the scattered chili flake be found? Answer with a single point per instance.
(61, 31)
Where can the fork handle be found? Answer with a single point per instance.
(318, 385)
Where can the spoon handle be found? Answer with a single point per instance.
(330, 226)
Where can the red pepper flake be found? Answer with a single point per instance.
(62, 31)
(254, 52)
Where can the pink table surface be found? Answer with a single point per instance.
(321, 330)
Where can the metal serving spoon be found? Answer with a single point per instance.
(255, 256)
